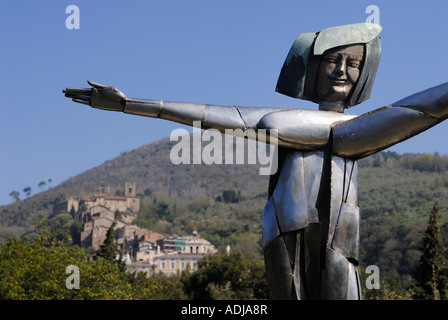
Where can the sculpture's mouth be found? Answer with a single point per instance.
(338, 82)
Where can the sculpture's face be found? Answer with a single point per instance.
(338, 72)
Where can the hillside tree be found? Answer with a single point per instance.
(42, 184)
(229, 277)
(430, 275)
(108, 249)
(27, 191)
(15, 195)
(37, 270)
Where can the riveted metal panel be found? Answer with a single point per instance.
(353, 192)
(294, 245)
(346, 237)
(269, 223)
(222, 118)
(312, 257)
(184, 113)
(291, 81)
(429, 101)
(289, 196)
(312, 168)
(345, 35)
(147, 108)
(354, 284)
(278, 270)
(303, 128)
(335, 276)
(252, 115)
(337, 189)
(378, 130)
(347, 174)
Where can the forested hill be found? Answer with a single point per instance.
(224, 202)
(150, 168)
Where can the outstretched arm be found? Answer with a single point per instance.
(211, 116)
(384, 127)
(295, 128)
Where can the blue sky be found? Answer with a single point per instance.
(224, 52)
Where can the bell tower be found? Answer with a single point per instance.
(129, 189)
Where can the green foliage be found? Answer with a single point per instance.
(108, 249)
(430, 275)
(15, 195)
(230, 196)
(172, 287)
(395, 192)
(37, 271)
(233, 276)
(27, 191)
(75, 232)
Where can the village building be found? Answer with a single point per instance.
(172, 264)
(193, 244)
(143, 250)
(148, 246)
(172, 255)
(65, 207)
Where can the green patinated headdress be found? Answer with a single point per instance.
(299, 72)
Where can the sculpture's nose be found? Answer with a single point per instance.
(340, 69)
(339, 72)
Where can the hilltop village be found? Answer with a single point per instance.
(147, 251)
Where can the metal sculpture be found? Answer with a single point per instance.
(311, 220)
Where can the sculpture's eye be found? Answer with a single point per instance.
(331, 60)
(354, 64)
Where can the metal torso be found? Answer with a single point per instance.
(314, 197)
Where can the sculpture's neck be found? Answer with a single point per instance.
(336, 106)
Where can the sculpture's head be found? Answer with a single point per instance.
(334, 65)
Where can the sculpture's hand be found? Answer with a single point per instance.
(100, 97)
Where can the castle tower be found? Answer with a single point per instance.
(129, 189)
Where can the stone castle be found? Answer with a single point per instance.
(144, 250)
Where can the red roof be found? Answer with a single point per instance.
(153, 236)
